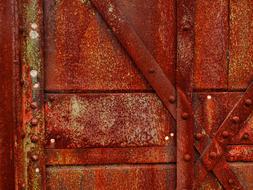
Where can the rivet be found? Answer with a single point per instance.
(52, 141)
(172, 99)
(33, 34)
(58, 137)
(185, 115)
(246, 136)
(236, 119)
(248, 102)
(187, 157)
(34, 105)
(209, 97)
(34, 138)
(198, 136)
(35, 157)
(34, 122)
(212, 155)
(230, 181)
(36, 85)
(151, 71)
(23, 186)
(172, 134)
(225, 134)
(34, 73)
(34, 26)
(37, 170)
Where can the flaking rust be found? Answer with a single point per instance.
(30, 167)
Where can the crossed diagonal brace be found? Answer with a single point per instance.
(212, 157)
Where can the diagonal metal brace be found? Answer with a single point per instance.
(145, 62)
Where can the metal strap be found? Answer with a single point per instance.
(139, 53)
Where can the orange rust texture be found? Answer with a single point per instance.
(211, 44)
(83, 54)
(244, 173)
(132, 155)
(239, 153)
(107, 120)
(241, 40)
(138, 177)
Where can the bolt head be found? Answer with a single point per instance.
(187, 157)
(35, 157)
(172, 99)
(34, 122)
(230, 181)
(246, 136)
(198, 136)
(213, 155)
(248, 102)
(185, 115)
(34, 138)
(236, 119)
(225, 134)
(34, 105)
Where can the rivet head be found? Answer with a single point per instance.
(151, 71)
(248, 102)
(51, 98)
(34, 138)
(34, 122)
(225, 134)
(213, 155)
(35, 157)
(187, 157)
(230, 181)
(34, 105)
(185, 115)
(198, 136)
(236, 119)
(52, 141)
(245, 136)
(172, 99)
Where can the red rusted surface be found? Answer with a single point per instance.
(137, 177)
(241, 40)
(185, 125)
(239, 153)
(107, 120)
(96, 59)
(133, 155)
(211, 44)
(7, 99)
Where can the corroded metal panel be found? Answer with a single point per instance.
(241, 40)
(8, 62)
(107, 120)
(96, 60)
(211, 44)
(138, 177)
(132, 155)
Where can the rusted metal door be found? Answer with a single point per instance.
(130, 94)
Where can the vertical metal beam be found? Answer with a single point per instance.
(7, 98)
(185, 116)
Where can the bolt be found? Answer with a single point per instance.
(212, 155)
(198, 136)
(236, 119)
(35, 157)
(34, 138)
(248, 102)
(185, 115)
(34, 122)
(187, 157)
(172, 99)
(225, 134)
(246, 136)
(34, 105)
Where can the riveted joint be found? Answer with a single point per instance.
(185, 115)
(213, 155)
(187, 157)
(236, 119)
